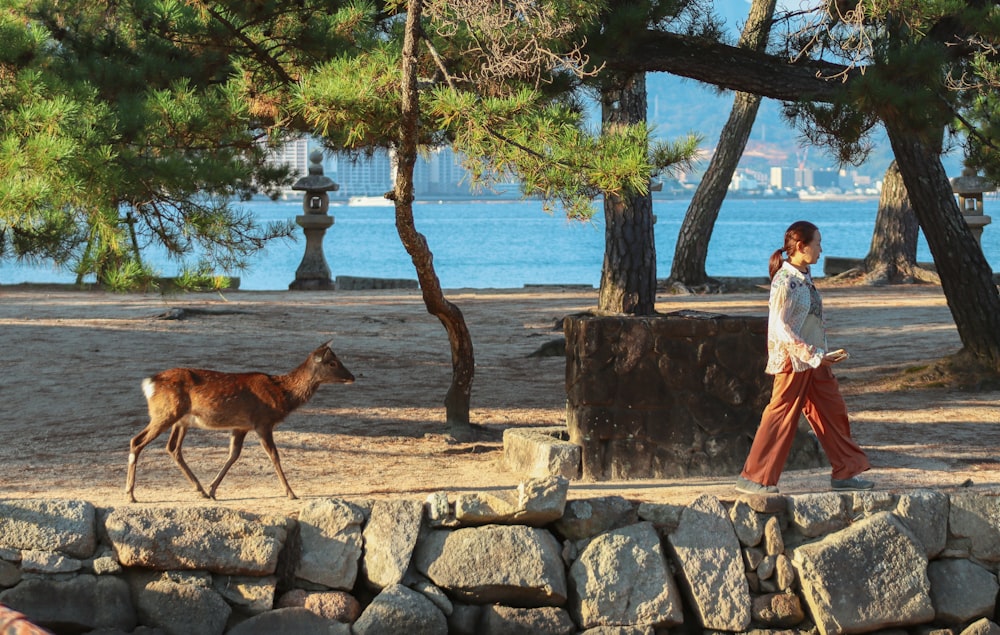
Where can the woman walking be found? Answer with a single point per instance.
(798, 357)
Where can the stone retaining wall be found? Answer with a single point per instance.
(523, 561)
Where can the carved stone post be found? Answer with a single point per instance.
(313, 272)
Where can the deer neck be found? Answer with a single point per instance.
(298, 385)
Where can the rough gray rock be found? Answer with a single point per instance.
(506, 620)
(976, 516)
(538, 452)
(212, 539)
(65, 526)
(778, 610)
(398, 609)
(588, 517)
(289, 621)
(535, 502)
(925, 513)
(389, 538)
(818, 514)
(706, 547)
(849, 591)
(250, 594)
(331, 543)
(982, 627)
(182, 609)
(620, 630)
(83, 602)
(622, 578)
(9, 574)
(35, 561)
(962, 591)
(507, 564)
(748, 524)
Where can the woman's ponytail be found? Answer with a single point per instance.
(775, 263)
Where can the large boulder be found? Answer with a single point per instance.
(80, 603)
(398, 609)
(289, 621)
(507, 564)
(622, 577)
(976, 517)
(66, 526)
(389, 538)
(962, 591)
(182, 609)
(331, 543)
(851, 590)
(711, 564)
(212, 539)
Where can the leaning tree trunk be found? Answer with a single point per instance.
(966, 277)
(688, 267)
(462, 359)
(892, 258)
(628, 276)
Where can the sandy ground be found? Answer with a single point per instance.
(71, 363)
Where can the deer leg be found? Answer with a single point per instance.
(140, 441)
(267, 440)
(235, 448)
(174, 449)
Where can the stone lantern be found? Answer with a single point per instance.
(313, 273)
(970, 187)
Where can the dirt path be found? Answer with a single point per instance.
(71, 363)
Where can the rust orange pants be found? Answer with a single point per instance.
(816, 394)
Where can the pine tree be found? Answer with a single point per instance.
(130, 143)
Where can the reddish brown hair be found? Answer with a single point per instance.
(800, 231)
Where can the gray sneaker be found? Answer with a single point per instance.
(850, 484)
(747, 486)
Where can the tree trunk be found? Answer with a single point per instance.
(966, 277)
(892, 258)
(690, 254)
(628, 276)
(462, 359)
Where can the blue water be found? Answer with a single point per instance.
(510, 244)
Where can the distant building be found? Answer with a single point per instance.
(826, 179)
(293, 154)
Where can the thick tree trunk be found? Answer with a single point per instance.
(628, 276)
(892, 258)
(462, 358)
(688, 268)
(966, 277)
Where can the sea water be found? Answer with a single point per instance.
(515, 243)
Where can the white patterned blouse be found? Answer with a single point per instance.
(796, 330)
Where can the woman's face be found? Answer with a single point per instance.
(809, 253)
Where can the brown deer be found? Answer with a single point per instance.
(181, 398)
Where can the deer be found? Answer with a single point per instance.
(181, 398)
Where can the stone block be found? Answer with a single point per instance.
(213, 539)
(538, 452)
(850, 592)
(65, 526)
(508, 564)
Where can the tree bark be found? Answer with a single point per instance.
(628, 275)
(892, 258)
(457, 401)
(966, 278)
(688, 267)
